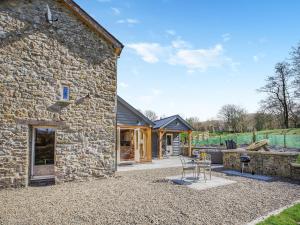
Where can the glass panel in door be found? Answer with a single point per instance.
(43, 151)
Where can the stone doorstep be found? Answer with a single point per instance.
(42, 182)
(38, 181)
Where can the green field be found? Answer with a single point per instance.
(289, 138)
(290, 216)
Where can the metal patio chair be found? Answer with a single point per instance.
(187, 167)
(205, 164)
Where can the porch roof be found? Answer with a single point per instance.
(163, 123)
(133, 111)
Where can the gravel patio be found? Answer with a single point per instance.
(145, 197)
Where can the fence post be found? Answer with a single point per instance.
(284, 139)
(253, 136)
(220, 140)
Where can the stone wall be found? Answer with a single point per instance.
(36, 59)
(267, 163)
(295, 171)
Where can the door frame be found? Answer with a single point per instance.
(145, 142)
(33, 150)
(169, 134)
(119, 159)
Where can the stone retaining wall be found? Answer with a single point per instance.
(36, 59)
(267, 163)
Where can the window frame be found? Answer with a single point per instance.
(62, 92)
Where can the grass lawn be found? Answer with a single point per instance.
(290, 216)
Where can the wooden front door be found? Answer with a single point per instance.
(43, 150)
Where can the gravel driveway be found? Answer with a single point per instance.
(145, 197)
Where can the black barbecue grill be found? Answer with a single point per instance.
(245, 159)
(245, 162)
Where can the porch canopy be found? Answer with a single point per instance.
(167, 132)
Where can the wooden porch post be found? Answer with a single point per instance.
(118, 145)
(190, 143)
(160, 144)
(149, 144)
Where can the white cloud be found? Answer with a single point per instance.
(226, 37)
(179, 43)
(171, 32)
(199, 58)
(180, 52)
(149, 52)
(156, 92)
(116, 11)
(123, 84)
(258, 57)
(128, 21)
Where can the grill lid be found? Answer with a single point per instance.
(245, 158)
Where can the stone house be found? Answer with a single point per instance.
(58, 74)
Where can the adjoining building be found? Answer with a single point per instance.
(133, 134)
(58, 76)
(166, 137)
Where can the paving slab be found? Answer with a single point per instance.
(158, 164)
(248, 175)
(200, 184)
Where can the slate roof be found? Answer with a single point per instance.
(165, 121)
(135, 111)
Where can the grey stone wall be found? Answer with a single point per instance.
(267, 163)
(36, 58)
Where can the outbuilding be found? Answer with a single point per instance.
(166, 140)
(133, 134)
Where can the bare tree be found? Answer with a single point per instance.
(264, 121)
(277, 89)
(151, 115)
(296, 69)
(295, 105)
(234, 117)
(194, 122)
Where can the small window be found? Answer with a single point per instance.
(65, 93)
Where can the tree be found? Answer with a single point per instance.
(151, 115)
(277, 88)
(264, 121)
(295, 105)
(234, 117)
(194, 122)
(296, 68)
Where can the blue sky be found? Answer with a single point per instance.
(192, 57)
